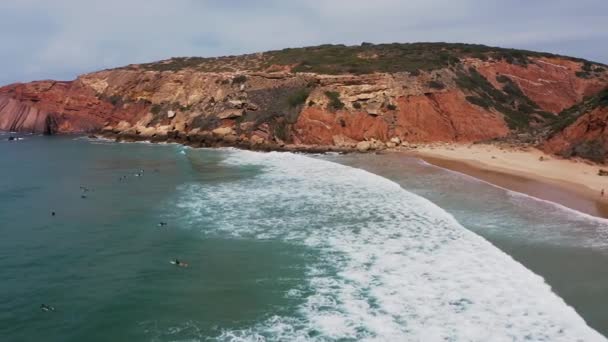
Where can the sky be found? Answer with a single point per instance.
(59, 39)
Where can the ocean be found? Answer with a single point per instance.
(283, 247)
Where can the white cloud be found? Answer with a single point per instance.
(62, 38)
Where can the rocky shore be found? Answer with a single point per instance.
(226, 137)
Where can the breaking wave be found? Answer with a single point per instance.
(393, 266)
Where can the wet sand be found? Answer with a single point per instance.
(560, 181)
(568, 250)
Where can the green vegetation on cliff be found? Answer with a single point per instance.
(517, 108)
(299, 97)
(570, 115)
(334, 100)
(593, 150)
(358, 59)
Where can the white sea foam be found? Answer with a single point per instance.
(392, 267)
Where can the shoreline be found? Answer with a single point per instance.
(571, 183)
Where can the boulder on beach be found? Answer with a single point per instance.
(256, 140)
(341, 140)
(222, 131)
(230, 138)
(364, 146)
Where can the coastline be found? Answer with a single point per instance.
(574, 184)
(571, 183)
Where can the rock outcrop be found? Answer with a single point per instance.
(334, 97)
(583, 130)
(59, 107)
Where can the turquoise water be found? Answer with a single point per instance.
(279, 246)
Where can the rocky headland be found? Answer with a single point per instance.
(332, 98)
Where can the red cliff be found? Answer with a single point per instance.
(326, 95)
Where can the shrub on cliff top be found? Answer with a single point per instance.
(239, 79)
(115, 99)
(298, 98)
(502, 79)
(360, 59)
(334, 100)
(436, 85)
(587, 67)
(156, 109)
(603, 98)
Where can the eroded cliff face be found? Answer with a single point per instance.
(471, 99)
(551, 83)
(56, 107)
(290, 108)
(585, 132)
(591, 128)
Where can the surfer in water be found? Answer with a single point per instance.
(46, 308)
(176, 262)
(162, 224)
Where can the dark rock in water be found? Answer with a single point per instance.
(602, 172)
(11, 138)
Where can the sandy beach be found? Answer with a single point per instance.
(573, 183)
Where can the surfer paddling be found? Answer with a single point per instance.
(46, 308)
(179, 263)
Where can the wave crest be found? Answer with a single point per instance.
(393, 265)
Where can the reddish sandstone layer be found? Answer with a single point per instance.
(550, 82)
(316, 126)
(52, 106)
(441, 116)
(590, 127)
(445, 116)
